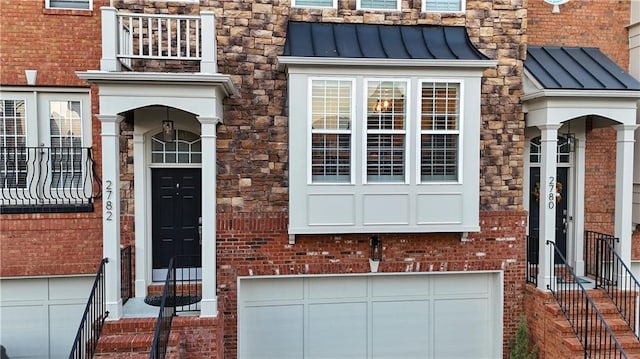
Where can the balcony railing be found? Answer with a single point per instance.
(127, 37)
(47, 179)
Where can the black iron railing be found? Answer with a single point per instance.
(126, 289)
(613, 275)
(182, 293)
(47, 179)
(93, 319)
(532, 260)
(165, 316)
(585, 319)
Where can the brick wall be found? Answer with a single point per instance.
(57, 43)
(257, 244)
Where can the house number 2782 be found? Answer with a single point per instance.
(108, 204)
(551, 195)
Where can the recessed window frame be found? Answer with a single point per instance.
(460, 132)
(351, 131)
(334, 5)
(406, 131)
(462, 7)
(52, 4)
(360, 7)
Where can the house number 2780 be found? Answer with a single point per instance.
(551, 195)
(108, 204)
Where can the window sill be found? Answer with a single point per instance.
(68, 12)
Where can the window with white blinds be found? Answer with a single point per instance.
(13, 138)
(69, 4)
(439, 131)
(386, 131)
(379, 4)
(443, 5)
(331, 131)
(314, 3)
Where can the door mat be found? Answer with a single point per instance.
(180, 301)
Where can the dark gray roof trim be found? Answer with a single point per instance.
(372, 41)
(576, 68)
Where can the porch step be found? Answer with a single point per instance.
(630, 344)
(132, 338)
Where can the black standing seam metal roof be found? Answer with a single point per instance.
(339, 40)
(577, 68)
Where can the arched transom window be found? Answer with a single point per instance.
(564, 149)
(186, 148)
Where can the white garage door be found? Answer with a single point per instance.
(452, 315)
(39, 317)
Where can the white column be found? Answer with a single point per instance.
(624, 190)
(547, 202)
(141, 214)
(578, 210)
(208, 63)
(111, 211)
(209, 304)
(109, 61)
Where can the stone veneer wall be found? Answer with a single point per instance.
(253, 154)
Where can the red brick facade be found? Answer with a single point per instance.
(253, 149)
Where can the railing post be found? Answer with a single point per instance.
(109, 61)
(208, 63)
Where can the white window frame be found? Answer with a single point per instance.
(462, 8)
(406, 132)
(49, 5)
(334, 5)
(360, 7)
(351, 131)
(38, 131)
(419, 131)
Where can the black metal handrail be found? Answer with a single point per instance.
(126, 289)
(588, 324)
(95, 313)
(532, 260)
(38, 178)
(613, 275)
(182, 293)
(165, 315)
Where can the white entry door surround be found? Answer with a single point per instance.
(199, 95)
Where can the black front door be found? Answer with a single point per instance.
(561, 211)
(176, 210)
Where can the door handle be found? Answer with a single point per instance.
(200, 229)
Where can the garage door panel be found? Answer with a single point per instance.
(65, 289)
(461, 284)
(462, 328)
(22, 332)
(328, 287)
(18, 290)
(263, 289)
(273, 332)
(400, 329)
(337, 330)
(385, 286)
(64, 321)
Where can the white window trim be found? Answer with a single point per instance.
(407, 128)
(308, 124)
(334, 5)
(463, 7)
(37, 123)
(359, 6)
(461, 126)
(48, 6)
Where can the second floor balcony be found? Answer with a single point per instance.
(158, 42)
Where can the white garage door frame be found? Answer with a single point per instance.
(39, 316)
(381, 315)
